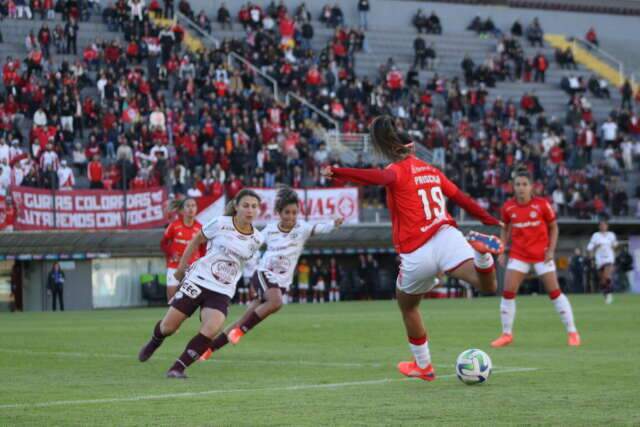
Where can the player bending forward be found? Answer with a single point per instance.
(210, 283)
(285, 241)
(531, 222)
(603, 244)
(424, 234)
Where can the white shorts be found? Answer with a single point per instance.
(540, 268)
(303, 286)
(319, 287)
(171, 280)
(445, 251)
(603, 261)
(334, 284)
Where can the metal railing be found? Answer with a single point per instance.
(609, 58)
(266, 77)
(188, 23)
(215, 43)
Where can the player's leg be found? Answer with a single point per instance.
(172, 284)
(164, 328)
(606, 282)
(549, 278)
(416, 277)
(213, 317)
(514, 276)
(222, 338)
(417, 335)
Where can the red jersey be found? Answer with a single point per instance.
(529, 228)
(175, 240)
(416, 199)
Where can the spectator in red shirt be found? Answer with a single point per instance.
(94, 173)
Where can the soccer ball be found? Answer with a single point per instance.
(473, 366)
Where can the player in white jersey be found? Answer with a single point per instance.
(603, 244)
(285, 241)
(210, 282)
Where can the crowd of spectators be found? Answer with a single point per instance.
(147, 112)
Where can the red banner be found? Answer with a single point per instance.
(38, 209)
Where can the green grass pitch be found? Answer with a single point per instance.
(330, 364)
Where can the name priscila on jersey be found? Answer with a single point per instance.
(427, 179)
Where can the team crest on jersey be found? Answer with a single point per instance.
(294, 235)
(224, 271)
(533, 214)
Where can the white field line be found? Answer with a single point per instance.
(229, 391)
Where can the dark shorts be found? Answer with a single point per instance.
(261, 283)
(186, 301)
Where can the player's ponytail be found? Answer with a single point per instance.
(230, 208)
(286, 196)
(388, 141)
(177, 205)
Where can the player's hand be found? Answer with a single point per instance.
(326, 172)
(179, 274)
(338, 222)
(549, 255)
(502, 259)
(501, 224)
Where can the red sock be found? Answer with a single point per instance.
(555, 294)
(196, 347)
(508, 295)
(250, 323)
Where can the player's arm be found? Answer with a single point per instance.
(553, 241)
(591, 247)
(550, 218)
(465, 202)
(193, 246)
(165, 243)
(361, 176)
(505, 235)
(325, 228)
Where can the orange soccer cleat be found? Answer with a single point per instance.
(206, 355)
(485, 243)
(502, 341)
(574, 339)
(412, 370)
(235, 335)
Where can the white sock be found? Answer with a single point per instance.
(337, 295)
(421, 354)
(482, 261)
(330, 296)
(563, 307)
(285, 299)
(507, 314)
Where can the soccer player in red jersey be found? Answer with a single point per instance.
(424, 234)
(176, 238)
(531, 224)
